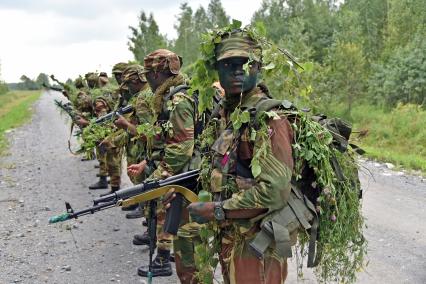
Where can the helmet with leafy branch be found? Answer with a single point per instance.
(235, 41)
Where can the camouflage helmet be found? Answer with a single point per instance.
(119, 67)
(106, 98)
(162, 60)
(238, 44)
(79, 82)
(91, 77)
(103, 78)
(132, 71)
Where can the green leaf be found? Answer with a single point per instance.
(245, 117)
(260, 28)
(309, 155)
(253, 135)
(236, 24)
(255, 167)
(270, 66)
(308, 67)
(272, 114)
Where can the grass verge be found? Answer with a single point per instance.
(398, 136)
(15, 110)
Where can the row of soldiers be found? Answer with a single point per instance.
(161, 137)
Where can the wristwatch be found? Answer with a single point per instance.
(219, 213)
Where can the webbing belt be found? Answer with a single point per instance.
(159, 192)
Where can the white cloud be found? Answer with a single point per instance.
(68, 38)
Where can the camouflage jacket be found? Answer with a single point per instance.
(172, 149)
(231, 178)
(136, 148)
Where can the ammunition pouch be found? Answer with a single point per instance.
(276, 229)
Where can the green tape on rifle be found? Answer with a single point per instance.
(59, 218)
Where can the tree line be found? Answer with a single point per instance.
(3, 85)
(360, 51)
(27, 83)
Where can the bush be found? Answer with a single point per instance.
(402, 78)
(3, 88)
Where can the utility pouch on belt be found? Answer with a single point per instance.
(300, 213)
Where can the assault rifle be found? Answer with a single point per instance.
(185, 185)
(112, 115)
(67, 107)
(53, 88)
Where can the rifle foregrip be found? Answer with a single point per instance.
(173, 215)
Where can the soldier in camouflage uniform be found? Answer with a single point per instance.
(172, 150)
(243, 202)
(92, 80)
(103, 105)
(138, 95)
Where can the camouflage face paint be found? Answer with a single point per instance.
(234, 79)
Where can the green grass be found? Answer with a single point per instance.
(397, 136)
(15, 109)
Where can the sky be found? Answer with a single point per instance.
(72, 37)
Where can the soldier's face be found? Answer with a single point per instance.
(100, 108)
(134, 85)
(118, 78)
(153, 80)
(233, 78)
(91, 84)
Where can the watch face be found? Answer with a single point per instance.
(219, 214)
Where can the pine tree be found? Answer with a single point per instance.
(145, 37)
(216, 14)
(186, 44)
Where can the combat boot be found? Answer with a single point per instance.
(160, 265)
(130, 207)
(135, 214)
(101, 184)
(141, 239)
(113, 189)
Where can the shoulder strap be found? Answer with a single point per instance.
(177, 89)
(268, 104)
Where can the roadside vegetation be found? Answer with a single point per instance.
(363, 61)
(15, 109)
(396, 135)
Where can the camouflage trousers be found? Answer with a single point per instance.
(184, 247)
(240, 265)
(102, 159)
(164, 240)
(113, 163)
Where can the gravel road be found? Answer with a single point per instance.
(40, 174)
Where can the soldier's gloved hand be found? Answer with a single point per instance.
(201, 212)
(121, 122)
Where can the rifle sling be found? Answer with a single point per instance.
(159, 192)
(69, 140)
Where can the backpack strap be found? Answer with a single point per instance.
(266, 104)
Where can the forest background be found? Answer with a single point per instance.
(364, 61)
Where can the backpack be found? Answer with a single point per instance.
(301, 212)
